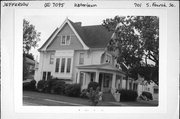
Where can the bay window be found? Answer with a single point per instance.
(57, 65)
(68, 65)
(63, 65)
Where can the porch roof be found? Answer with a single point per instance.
(105, 67)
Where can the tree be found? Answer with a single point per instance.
(30, 36)
(136, 38)
(29, 55)
(30, 39)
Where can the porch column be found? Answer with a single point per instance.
(113, 81)
(97, 77)
(78, 77)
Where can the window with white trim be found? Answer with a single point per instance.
(57, 65)
(63, 65)
(51, 60)
(108, 58)
(65, 39)
(81, 58)
(68, 65)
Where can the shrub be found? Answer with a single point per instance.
(31, 86)
(93, 96)
(49, 84)
(58, 87)
(84, 93)
(128, 95)
(73, 90)
(41, 85)
(148, 95)
(94, 85)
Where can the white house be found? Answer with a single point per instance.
(77, 54)
(143, 85)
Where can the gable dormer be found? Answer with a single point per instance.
(63, 38)
(72, 35)
(66, 39)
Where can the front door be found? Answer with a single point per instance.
(107, 83)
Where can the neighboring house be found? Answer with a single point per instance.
(143, 85)
(31, 67)
(77, 54)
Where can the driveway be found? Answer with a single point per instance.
(45, 99)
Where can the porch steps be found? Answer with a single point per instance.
(108, 97)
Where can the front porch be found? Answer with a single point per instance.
(108, 77)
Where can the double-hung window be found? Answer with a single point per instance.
(68, 65)
(81, 58)
(65, 39)
(63, 65)
(51, 61)
(57, 65)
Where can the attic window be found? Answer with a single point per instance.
(108, 59)
(65, 39)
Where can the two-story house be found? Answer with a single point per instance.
(77, 54)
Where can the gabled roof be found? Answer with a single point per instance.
(48, 39)
(95, 36)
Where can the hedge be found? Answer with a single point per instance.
(148, 95)
(30, 86)
(128, 95)
(41, 85)
(59, 87)
(84, 93)
(73, 90)
(94, 85)
(51, 86)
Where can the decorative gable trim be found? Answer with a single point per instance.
(59, 29)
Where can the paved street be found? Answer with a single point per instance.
(44, 99)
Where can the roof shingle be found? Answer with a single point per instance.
(95, 36)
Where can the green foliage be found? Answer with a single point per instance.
(94, 85)
(30, 39)
(93, 96)
(25, 69)
(128, 95)
(30, 86)
(30, 56)
(136, 38)
(59, 87)
(41, 85)
(73, 90)
(84, 93)
(51, 86)
(30, 36)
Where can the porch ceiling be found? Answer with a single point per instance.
(101, 67)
